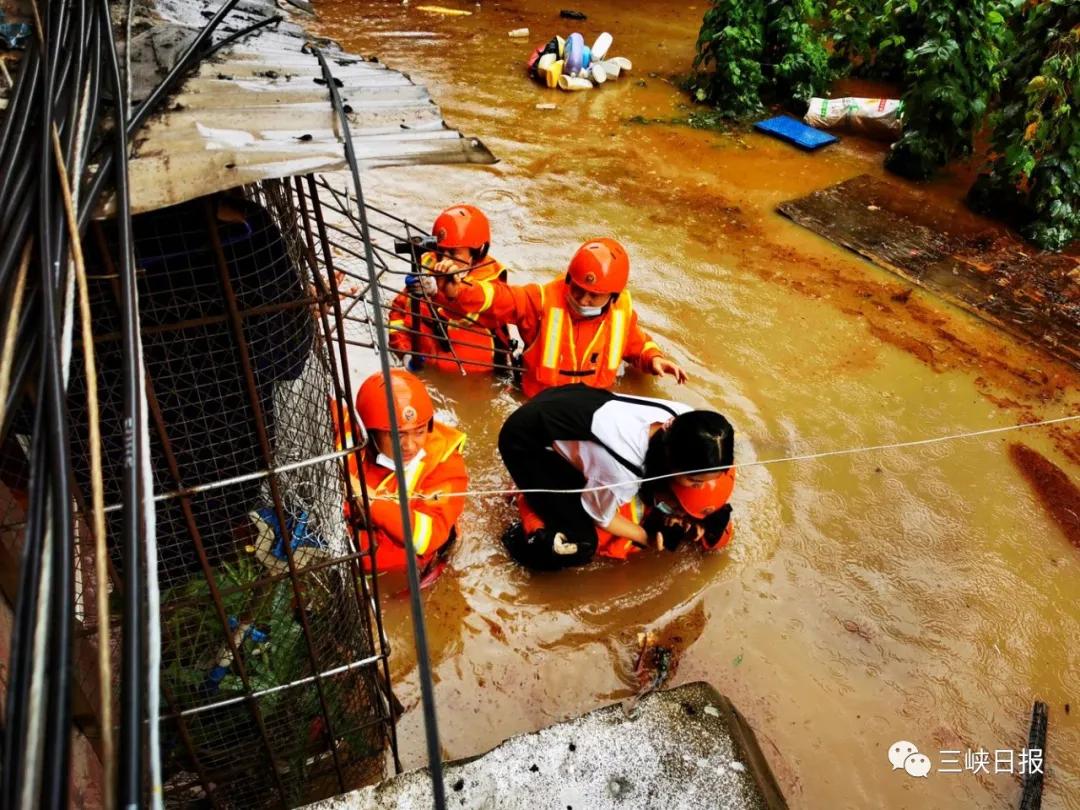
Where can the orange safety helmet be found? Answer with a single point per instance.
(700, 502)
(600, 266)
(462, 226)
(411, 402)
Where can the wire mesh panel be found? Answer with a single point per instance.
(272, 686)
(397, 247)
(273, 676)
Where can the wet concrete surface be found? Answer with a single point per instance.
(684, 749)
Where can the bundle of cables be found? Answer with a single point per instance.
(64, 140)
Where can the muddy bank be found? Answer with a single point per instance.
(1058, 493)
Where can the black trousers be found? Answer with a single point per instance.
(525, 444)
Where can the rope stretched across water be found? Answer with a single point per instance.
(850, 451)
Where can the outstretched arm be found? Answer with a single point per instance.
(642, 351)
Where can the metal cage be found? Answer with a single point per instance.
(274, 675)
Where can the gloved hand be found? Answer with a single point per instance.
(653, 524)
(421, 284)
(560, 545)
(678, 530)
(715, 525)
(356, 517)
(673, 529)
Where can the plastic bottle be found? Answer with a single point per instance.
(574, 45)
(601, 46)
(574, 83)
(553, 73)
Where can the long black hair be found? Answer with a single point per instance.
(695, 440)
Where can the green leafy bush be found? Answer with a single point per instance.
(796, 61)
(868, 42)
(951, 76)
(728, 63)
(956, 60)
(749, 51)
(1034, 178)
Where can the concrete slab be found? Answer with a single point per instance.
(684, 748)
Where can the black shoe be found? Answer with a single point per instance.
(513, 536)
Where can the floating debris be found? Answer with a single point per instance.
(572, 65)
(448, 12)
(655, 663)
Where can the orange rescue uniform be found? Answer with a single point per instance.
(560, 347)
(441, 469)
(474, 348)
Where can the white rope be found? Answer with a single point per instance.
(761, 463)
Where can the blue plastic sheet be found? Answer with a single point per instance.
(796, 132)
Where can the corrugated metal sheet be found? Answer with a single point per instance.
(259, 110)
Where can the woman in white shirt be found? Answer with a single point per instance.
(575, 437)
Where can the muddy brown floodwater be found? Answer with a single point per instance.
(920, 594)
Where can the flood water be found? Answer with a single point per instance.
(920, 594)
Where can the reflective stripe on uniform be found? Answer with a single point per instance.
(412, 478)
(423, 528)
(617, 340)
(650, 345)
(552, 336)
(489, 295)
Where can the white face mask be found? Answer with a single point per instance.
(385, 461)
(585, 312)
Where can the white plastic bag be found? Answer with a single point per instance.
(873, 117)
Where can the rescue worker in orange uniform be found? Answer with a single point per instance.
(586, 461)
(578, 328)
(431, 452)
(427, 333)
